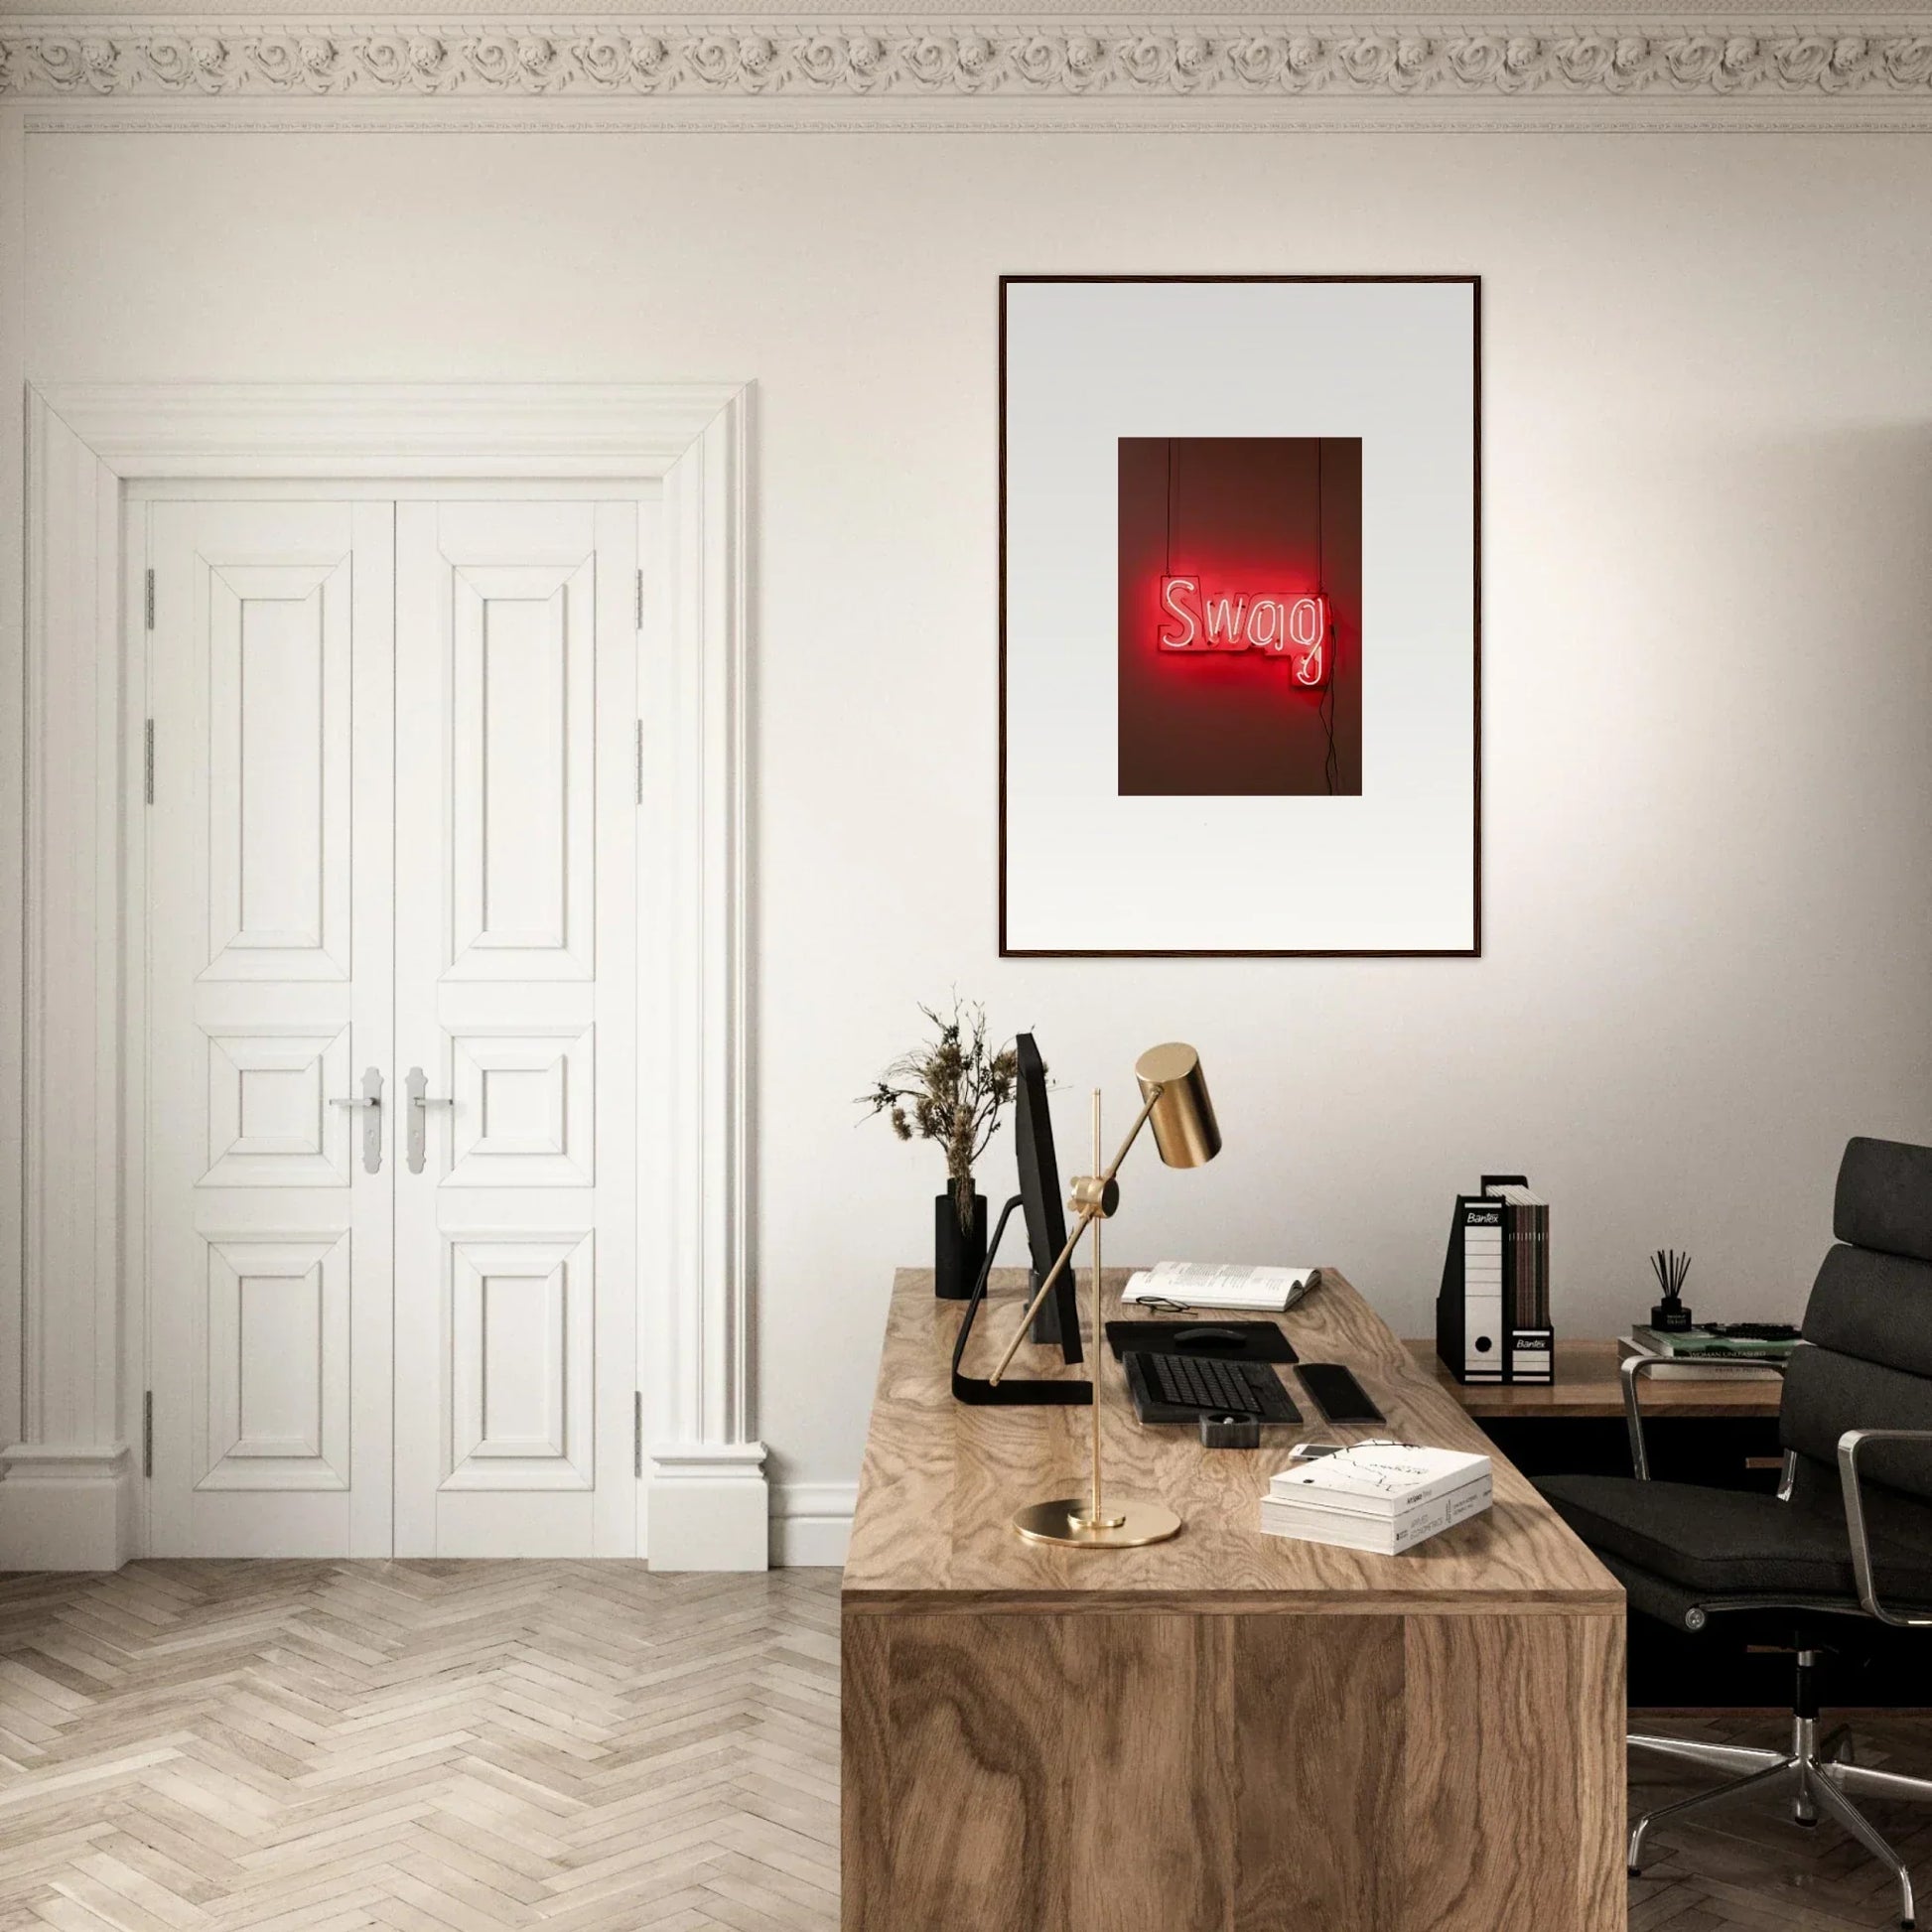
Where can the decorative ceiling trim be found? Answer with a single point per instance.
(1831, 75)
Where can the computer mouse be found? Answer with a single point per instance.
(1208, 1337)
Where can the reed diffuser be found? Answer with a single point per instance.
(1669, 1315)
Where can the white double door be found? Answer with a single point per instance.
(389, 860)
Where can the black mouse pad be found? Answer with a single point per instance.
(1226, 1341)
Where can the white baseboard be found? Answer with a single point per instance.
(811, 1524)
(710, 1507)
(65, 1508)
(73, 1509)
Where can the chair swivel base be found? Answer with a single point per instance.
(1818, 1777)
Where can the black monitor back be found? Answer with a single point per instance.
(1040, 1193)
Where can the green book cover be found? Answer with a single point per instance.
(1701, 1342)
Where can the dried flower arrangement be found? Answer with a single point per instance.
(951, 1089)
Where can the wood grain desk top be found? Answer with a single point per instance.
(941, 1478)
(1588, 1385)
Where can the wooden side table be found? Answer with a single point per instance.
(1587, 1386)
(1721, 1432)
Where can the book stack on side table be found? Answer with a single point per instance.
(1687, 1351)
(1380, 1496)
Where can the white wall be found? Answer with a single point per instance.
(1707, 688)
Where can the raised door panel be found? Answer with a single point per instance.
(524, 1113)
(523, 771)
(268, 996)
(271, 1117)
(521, 1333)
(278, 768)
(275, 1402)
(515, 1239)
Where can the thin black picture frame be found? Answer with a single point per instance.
(1474, 949)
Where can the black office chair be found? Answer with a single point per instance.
(1847, 1540)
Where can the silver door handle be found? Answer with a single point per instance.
(371, 1098)
(420, 1102)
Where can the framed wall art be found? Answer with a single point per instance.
(1239, 615)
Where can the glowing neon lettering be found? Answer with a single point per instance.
(1227, 623)
(1176, 593)
(1276, 623)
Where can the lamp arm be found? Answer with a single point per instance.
(1133, 1133)
(1088, 1215)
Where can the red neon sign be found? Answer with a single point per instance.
(1278, 624)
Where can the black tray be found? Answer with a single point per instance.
(1253, 1342)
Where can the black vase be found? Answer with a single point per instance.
(958, 1253)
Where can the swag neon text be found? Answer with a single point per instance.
(1272, 623)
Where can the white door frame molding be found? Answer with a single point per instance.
(71, 1420)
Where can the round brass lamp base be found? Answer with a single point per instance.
(1128, 1526)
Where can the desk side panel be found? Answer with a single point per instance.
(1514, 1774)
(865, 1763)
(1082, 1773)
(1317, 1727)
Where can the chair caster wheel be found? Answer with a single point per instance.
(1810, 1824)
(1633, 1871)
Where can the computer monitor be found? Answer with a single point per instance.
(1040, 1195)
(1039, 1199)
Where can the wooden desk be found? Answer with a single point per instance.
(1228, 1730)
(1587, 1386)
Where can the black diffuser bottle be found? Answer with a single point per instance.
(1670, 1316)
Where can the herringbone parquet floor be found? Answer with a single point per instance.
(469, 1747)
(429, 1746)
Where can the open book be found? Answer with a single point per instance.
(1213, 1285)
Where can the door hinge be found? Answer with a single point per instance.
(149, 595)
(147, 762)
(641, 760)
(146, 1433)
(640, 599)
(637, 1433)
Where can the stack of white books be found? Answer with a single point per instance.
(1380, 1496)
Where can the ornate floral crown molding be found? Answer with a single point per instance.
(1834, 75)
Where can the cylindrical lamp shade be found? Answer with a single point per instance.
(1184, 1128)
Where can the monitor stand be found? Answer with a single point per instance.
(1010, 1391)
(1046, 1324)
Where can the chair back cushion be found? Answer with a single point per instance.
(1869, 1323)
(1885, 1197)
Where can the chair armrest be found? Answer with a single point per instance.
(1633, 1367)
(1848, 1445)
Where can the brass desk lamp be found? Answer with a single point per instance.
(1175, 1101)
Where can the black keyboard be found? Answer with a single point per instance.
(1187, 1386)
